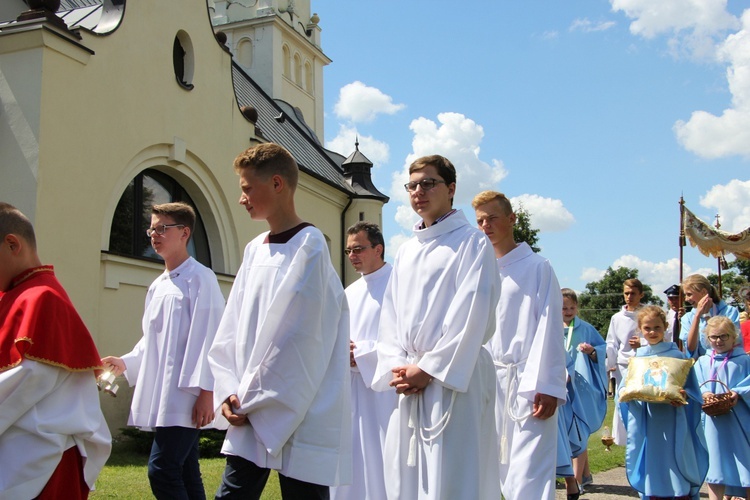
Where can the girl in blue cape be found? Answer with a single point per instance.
(587, 384)
(666, 453)
(728, 440)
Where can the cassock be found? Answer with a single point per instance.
(666, 452)
(529, 358)
(169, 365)
(49, 403)
(437, 312)
(565, 422)
(720, 309)
(622, 326)
(589, 381)
(727, 436)
(283, 348)
(371, 410)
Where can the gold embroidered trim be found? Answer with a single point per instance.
(29, 273)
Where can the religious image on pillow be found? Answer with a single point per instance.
(655, 379)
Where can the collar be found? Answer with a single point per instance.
(29, 273)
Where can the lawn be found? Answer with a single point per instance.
(125, 475)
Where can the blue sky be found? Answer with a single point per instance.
(596, 115)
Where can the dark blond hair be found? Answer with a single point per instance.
(652, 312)
(568, 293)
(180, 212)
(13, 221)
(633, 283)
(696, 282)
(269, 159)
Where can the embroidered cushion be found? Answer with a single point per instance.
(655, 379)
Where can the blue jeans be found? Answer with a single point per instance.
(243, 479)
(173, 469)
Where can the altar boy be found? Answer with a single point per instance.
(281, 355)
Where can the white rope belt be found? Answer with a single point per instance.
(511, 394)
(417, 416)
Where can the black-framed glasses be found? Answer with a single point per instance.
(161, 229)
(723, 337)
(356, 250)
(425, 184)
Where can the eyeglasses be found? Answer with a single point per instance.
(723, 337)
(161, 229)
(425, 184)
(356, 250)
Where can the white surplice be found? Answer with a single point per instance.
(530, 358)
(283, 349)
(371, 410)
(169, 365)
(622, 327)
(437, 313)
(44, 410)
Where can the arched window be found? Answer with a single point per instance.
(287, 62)
(245, 53)
(133, 216)
(309, 78)
(298, 70)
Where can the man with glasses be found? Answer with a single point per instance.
(371, 410)
(169, 365)
(438, 311)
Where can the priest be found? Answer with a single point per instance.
(53, 437)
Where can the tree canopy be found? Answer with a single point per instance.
(603, 298)
(522, 230)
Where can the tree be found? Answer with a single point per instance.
(742, 266)
(522, 231)
(731, 283)
(603, 298)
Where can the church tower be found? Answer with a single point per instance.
(277, 43)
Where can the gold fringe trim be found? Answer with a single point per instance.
(31, 272)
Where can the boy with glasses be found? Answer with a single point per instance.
(438, 311)
(169, 365)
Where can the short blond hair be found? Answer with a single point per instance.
(489, 196)
(721, 324)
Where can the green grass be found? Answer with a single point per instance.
(125, 474)
(600, 459)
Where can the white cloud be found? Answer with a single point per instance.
(394, 243)
(711, 136)
(457, 138)
(376, 151)
(731, 202)
(656, 17)
(588, 26)
(589, 274)
(550, 35)
(360, 103)
(547, 214)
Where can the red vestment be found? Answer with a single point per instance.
(38, 322)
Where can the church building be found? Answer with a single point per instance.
(110, 106)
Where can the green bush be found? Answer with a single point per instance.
(140, 441)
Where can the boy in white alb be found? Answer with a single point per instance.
(622, 341)
(281, 355)
(437, 313)
(169, 366)
(371, 410)
(529, 356)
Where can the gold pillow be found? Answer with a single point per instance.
(656, 379)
